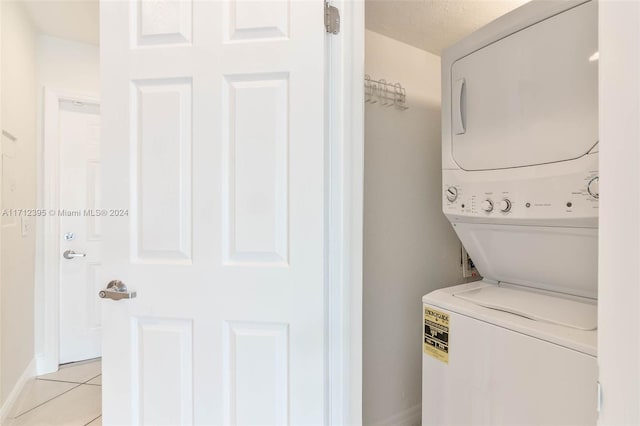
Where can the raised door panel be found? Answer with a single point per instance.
(161, 22)
(256, 169)
(161, 168)
(256, 20)
(162, 370)
(256, 370)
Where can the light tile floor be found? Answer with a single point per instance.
(71, 396)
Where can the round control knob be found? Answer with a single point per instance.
(452, 193)
(594, 187)
(505, 205)
(487, 206)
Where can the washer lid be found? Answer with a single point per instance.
(449, 301)
(553, 258)
(538, 306)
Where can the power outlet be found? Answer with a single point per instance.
(468, 267)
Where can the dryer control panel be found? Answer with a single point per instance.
(545, 195)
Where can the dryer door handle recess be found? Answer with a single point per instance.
(459, 107)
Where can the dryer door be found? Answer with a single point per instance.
(529, 98)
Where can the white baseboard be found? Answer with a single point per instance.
(40, 364)
(45, 365)
(412, 416)
(28, 373)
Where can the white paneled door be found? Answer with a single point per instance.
(214, 182)
(80, 231)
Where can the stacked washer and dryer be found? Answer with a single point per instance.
(520, 187)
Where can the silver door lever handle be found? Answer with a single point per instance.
(116, 290)
(70, 254)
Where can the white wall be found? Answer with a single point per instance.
(410, 248)
(619, 275)
(70, 67)
(30, 62)
(19, 191)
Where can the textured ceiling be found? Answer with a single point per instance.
(77, 20)
(433, 25)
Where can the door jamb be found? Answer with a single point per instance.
(48, 228)
(345, 171)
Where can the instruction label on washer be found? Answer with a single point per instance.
(436, 334)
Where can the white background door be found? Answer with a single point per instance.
(213, 143)
(80, 311)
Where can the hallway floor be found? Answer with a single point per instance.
(71, 396)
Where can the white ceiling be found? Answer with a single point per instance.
(430, 25)
(71, 19)
(433, 25)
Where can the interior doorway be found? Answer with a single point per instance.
(49, 303)
(79, 231)
(70, 229)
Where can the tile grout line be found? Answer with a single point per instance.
(77, 385)
(87, 382)
(93, 420)
(48, 400)
(61, 381)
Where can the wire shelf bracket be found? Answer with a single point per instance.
(384, 93)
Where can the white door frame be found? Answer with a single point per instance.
(345, 163)
(48, 227)
(619, 242)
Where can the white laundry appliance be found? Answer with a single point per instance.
(520, 187)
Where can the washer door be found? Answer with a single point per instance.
(553, 258)
(529, 98)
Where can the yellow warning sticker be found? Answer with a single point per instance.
(436, 334)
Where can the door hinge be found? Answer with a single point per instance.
(331, 18)
(599, 398)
